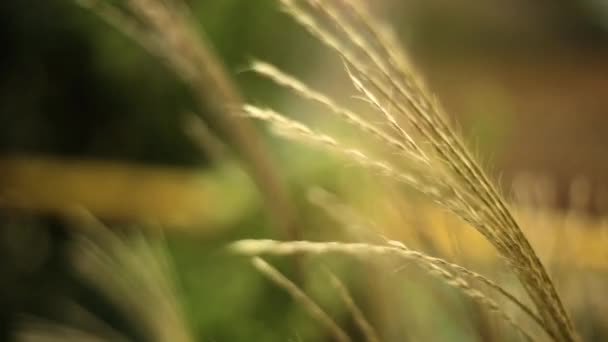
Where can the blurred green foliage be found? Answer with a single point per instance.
(72, 85)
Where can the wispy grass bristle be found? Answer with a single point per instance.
(272, 247)
(297, 130)
(288, 81)
(362, 322)
(386, 78)
(351, 221)
(298, 295)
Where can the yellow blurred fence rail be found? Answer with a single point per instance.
(120, 191)
(207, 201)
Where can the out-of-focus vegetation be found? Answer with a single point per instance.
(92, 122)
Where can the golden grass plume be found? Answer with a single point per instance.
(384, 76)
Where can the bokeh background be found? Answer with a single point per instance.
(88, 118)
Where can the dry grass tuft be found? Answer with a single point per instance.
(133, 272)
(382, 74)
